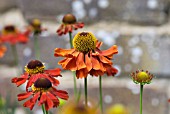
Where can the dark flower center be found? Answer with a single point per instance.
(42, 83)
(34, 64)
(9, 28)
(69, 19)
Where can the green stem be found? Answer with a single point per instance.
(15, 55)
(141, 94)
(70, 36)
(43, 109)
(74, 74)
(101, 97)
(85, 90)
(36, 47)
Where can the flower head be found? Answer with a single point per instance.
(35, 69)
(12, 35)
(142, 77)
(69, 23)
(43, 92)
(36, 26)
(86, 57)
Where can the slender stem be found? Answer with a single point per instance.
(36, 47)
(101, 97)
(43, 109)
(141, 94)
(70, 36)
(85, 90)
(74, 74)
(15, 55)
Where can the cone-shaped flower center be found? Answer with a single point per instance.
(69, 19)
(41, 84)
(142, 76)
(84, 42)
(9, 29)
(34, 67)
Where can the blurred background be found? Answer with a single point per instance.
(140, 29)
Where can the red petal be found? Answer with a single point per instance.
(23, 96)
(109, 52)
(49, 103)
(53, 72)
(60, 93)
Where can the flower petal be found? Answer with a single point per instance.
(80, 61)
(109, 52)
(23, 96)
(88, 62)
(82, 73)
(53, 72)
(63, 52)
(95, 63)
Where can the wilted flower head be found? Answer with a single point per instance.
(45, 93)
(142, 77)
(36, 69)
(69, 23)
(86, 57)
(12, 35)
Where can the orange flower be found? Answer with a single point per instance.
(12, 35)
(36, 27)
(69, 24)
(43, 92)
(2, 49)
(86, 57)
(35, 70)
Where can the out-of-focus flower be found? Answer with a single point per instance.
(69, 23)
(35, 69)
(36, 26)
(2, 49)
(142, 77)
(12, 35)
(77, 108)
(86, 57)
(44, 92)
(117, 109)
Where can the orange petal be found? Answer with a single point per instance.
(95, 63)
(109, 52)
(81, 73)
(80, 61)
(71, 65)
(96, 72)
(63, 52)
(105, 60)
(102, 68)
(98, 44)
(88, 62)
(2, 50)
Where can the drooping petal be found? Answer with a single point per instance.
(88, 62)
(109, 52)
(60, 93)
(95, 63)
(49, 103)
(82, 73)
(19, 81)
(80, 61)
(96, 72)
(111, 71)
(53, 72)
(105, 60)
(63, 52)
(23, 96)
